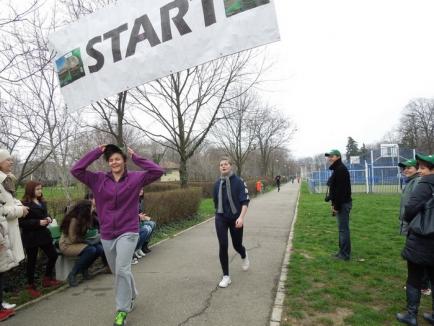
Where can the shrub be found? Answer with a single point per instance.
(207, 188)
(161, 186)
(171, 205)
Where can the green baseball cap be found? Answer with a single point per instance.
(333, 152)
(425, 158)
(407, 164)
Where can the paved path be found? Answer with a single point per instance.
(178, 280)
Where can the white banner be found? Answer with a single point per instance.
(137, 41)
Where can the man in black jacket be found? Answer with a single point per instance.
(340, 196)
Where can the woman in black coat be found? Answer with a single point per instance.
(35, 235)
(419, 247)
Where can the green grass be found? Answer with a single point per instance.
(55, 193)
(368, 290)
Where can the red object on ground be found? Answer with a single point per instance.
(33, 292)
(50, 282)
(6, 313)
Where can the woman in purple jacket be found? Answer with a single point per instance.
(116, 194)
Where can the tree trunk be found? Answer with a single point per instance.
(183, 173)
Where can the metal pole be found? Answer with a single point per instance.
(367, 177)
(372, 170)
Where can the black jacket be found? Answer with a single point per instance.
(33, 234)
(339, 185)
(419, 249)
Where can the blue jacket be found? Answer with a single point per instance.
(240, 196)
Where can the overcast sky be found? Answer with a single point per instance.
(348, 68)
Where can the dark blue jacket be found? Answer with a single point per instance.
(240, 196)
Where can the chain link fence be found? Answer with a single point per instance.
(375, 171)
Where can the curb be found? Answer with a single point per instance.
(276, 313)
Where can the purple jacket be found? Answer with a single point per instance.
(116, 202)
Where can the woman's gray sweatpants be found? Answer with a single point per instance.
(119, 252)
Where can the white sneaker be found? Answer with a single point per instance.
(134, 261)
(8, 305)
(246, 263)
(137, 254)
(226, 280)
(141, 253)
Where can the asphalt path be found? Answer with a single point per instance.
(178, 280)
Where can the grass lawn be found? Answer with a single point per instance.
(368, 290)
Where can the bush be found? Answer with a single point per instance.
(161, 186)
(171, 205)
(207, 188)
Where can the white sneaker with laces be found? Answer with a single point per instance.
(246, 263)
(8, 305)
(137, 255)
(134, 261)
(226, 280)
(141, 253)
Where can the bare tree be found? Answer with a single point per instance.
(235, 131)
(417, 125)
(11, 16)
(111, 112)
(185, 105)
(37, 99)
(273, 132)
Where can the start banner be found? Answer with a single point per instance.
(136, 41)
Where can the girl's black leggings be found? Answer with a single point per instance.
(32, 255)
(222, 225)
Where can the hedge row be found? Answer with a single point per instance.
(206, 186)
(172, 205)
(166, 200)
(161, 186)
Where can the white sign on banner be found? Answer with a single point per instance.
(137, 41)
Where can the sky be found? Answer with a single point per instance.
(348, 68)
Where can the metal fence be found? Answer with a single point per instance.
(375, 171)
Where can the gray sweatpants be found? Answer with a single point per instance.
(119, 252)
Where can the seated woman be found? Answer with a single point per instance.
(73, 243)
(147, 228)
(35, 235)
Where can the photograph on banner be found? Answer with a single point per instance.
(234, 7)
(70, 67)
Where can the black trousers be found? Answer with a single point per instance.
(32, 255)
(416, 274)
(222, 226)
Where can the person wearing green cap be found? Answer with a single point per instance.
(419, 245)
(339, 194)
(411, 179)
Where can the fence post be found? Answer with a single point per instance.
(372, 171)
(367, 177)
